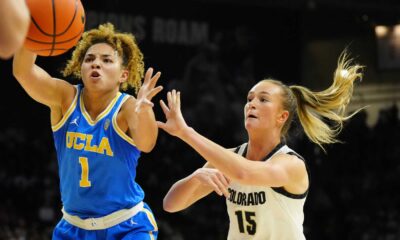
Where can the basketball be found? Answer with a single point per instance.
(56, 26)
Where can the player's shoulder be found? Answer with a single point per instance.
(127, 102)
(128, 99)
(285, 149)
(126, 107)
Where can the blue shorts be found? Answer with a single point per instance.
(142, 226)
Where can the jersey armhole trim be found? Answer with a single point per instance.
(71, 108)
(241, 149)
(116, 127)
(284, 192)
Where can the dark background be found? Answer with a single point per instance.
(214, 51)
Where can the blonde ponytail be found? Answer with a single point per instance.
(315, 109)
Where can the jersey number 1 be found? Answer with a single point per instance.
(84, 182)
(250, 222)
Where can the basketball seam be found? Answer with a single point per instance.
(50, 49)
(48, 43)
(60, 42)
(59, 34)
(54, 27)
(73, 18)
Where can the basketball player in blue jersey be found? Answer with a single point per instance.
(99, 133)
(264, 181)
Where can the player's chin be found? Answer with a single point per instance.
(248, 125)
(93, 82)
(252, 124)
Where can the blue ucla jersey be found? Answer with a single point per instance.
(97, 161)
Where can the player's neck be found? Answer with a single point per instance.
(95, 102)
(261, 146)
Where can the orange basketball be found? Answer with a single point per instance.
(56, 26)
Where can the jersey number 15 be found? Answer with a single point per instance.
(246, 218)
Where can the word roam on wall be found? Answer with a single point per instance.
(156, 29)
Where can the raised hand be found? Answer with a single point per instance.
(148, 90)
(213, 178)
(175, 123)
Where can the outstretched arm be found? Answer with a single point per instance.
(197, 185)
(140, 116)
(282, 170)
(54, 93)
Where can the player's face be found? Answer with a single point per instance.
(101, 68)
(263, 109)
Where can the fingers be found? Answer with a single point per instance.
(173, 97)
(148, 103)
(228, 181)
(178, 100)
(154, 92)
(151, 81)
(169, 99)
(141, 103)
(220, 188)
(222, 184)
(174, 100)
(148, 75)
(224, 181)
(214, 179)
(154, 79)
(216, 188)
(160, 125)
(164, 107)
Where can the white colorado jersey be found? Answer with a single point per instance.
(265, 213)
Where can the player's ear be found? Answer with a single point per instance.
(124, 76)
(283, 116)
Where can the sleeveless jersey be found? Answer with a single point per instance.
(264, 213)
(97, 161)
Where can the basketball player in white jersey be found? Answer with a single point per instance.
(264, 181)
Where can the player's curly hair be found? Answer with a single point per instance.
(124, 43)
(316, 109)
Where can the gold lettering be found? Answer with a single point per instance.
(88, 146)
(105, 145)
(70, 139)
(81, 136)
(83, 141)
